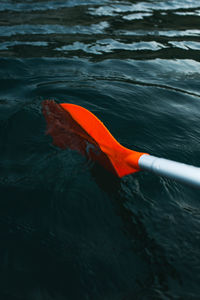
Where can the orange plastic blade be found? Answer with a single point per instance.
(72, 126)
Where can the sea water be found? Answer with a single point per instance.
(70, 230)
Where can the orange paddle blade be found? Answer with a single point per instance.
(72, 126)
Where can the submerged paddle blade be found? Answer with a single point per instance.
(72, 126)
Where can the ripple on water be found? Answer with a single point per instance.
(44, 5)
(51, 29)
(132, 28)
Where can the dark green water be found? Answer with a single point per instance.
(69, 230)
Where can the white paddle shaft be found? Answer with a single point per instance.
(181, 172)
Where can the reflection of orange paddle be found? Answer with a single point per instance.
(72, 126)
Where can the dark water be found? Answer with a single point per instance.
(70, 230)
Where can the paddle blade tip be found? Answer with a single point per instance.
(72, 126)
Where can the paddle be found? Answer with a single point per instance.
(72, 126)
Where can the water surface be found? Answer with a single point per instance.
(69, 229)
